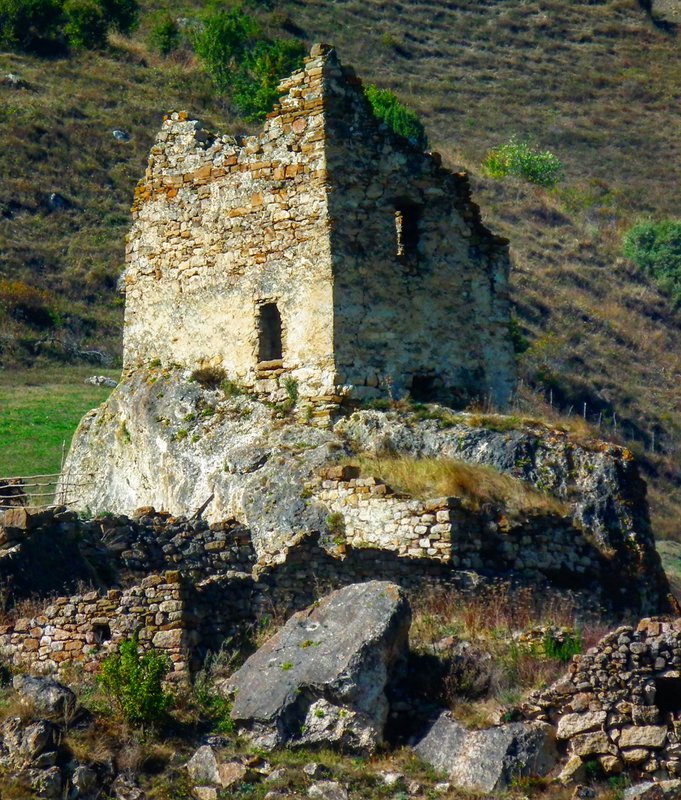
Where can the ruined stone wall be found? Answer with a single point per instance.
(368, 514)
(86, 627)
(621, 702)
(430, 301)
(303, 215)
(223, 226)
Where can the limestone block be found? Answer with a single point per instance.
(654, 736)
(572, 724)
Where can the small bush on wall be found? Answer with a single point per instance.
(244, 63)
(400, 119)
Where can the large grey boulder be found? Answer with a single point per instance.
(488, 760)
(322, 678)
(48, 696)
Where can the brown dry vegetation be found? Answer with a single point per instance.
(509, 638)
(446, 477)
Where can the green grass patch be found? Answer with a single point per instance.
(39, 413)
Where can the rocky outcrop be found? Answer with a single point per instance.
(488, 760)
(162, 440)
(46, 695)
(661, 790)
(322, 679)
(32, 749)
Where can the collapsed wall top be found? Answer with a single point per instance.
(326, 249)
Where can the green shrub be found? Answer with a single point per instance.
(520, 159)
(134, 682)
(86, 26)
(121, 15)
(30, 24)
(291, 387)
(231, 388)
(255, 84)
(242, 62)
(562, 649)
(223, 42)
(164, 36)
(335, 524)
(46, 24)
(655, 248)
(402, 120)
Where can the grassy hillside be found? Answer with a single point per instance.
(598, 83)
(40, 412)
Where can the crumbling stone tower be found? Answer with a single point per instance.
(325, 249)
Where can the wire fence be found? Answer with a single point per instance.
(37, 492)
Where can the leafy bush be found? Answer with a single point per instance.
(520, 159)
(134, 682)
(402, 120)
(655, 247)
(121, 15)
(30, 24)
(164, 36)
(43, 24)
(255, 84)
(86, 25)
(562, 648)
(242, 62)
(223, 42)
(26, 303)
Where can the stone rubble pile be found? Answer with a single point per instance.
(620, 703)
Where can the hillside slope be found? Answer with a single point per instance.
(598, 83)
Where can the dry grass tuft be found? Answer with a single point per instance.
(476, 485)
(497, 646)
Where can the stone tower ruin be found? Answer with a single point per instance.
(325, 250)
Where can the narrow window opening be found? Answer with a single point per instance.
(668, 695)
(101, 632)
(407, 216)
(269, 333)
(422, 388)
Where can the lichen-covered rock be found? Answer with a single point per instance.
(488, 760)
(662, 790)
(23, 743)
(206, 767)
(47, 695)
(161, 440)
(322, 678)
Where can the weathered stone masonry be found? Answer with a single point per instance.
(544, 544)
(620, 704)
(325, 249)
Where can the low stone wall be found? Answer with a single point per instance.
(374, 516)
(84, 628)
(621, 702)
(214, 585)
(153, 541)
(368, 514)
